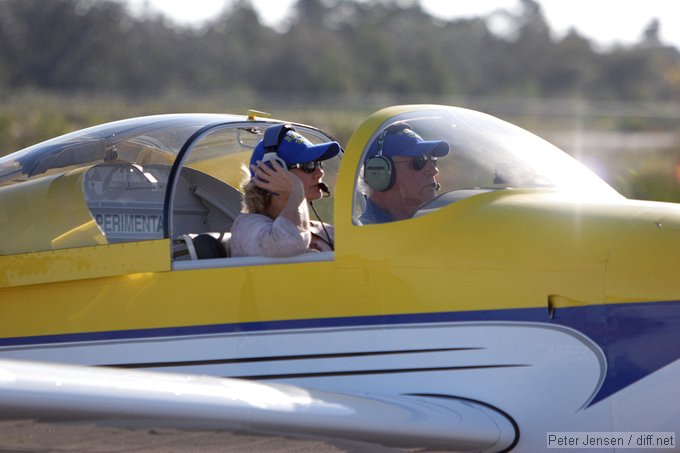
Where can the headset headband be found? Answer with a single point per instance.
(273, 136)
(381, 140)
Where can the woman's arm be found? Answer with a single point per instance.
(258, 235)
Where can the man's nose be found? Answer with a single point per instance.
(431, 167)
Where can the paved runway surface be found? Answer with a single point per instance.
(20, 436)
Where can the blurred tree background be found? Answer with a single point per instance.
(66, 64)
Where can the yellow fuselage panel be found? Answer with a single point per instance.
(83, 263)
(646, 260)
(178, 298)
(502, 250)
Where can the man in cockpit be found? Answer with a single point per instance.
(400, 172)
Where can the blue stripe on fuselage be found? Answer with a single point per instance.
(636, 338)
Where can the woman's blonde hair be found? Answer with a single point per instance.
(255, 199)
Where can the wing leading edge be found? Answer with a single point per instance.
(124, 398)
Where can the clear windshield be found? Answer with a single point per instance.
(95, 186)
(147, 140)
(476, 153)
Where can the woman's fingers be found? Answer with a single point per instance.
(274, 177)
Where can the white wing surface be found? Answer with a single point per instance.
(124, 398)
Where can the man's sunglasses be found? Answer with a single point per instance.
(307, 167)
(418, 162)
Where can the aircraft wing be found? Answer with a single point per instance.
(125, 398)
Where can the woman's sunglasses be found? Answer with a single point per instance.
(307, 167)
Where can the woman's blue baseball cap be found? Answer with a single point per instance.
(293, 148)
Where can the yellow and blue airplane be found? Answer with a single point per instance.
(528, 297)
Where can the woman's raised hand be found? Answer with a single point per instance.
(274, 177)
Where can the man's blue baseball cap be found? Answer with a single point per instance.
(296, 149)
(400, 140)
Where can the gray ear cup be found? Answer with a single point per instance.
(379, 173)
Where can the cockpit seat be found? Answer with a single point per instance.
(208, 246)
(203, 246)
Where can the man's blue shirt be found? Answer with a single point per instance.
(374, 214)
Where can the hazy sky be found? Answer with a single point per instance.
(604, 21)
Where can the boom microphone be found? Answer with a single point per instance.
(324, 188)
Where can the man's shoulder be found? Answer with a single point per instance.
(374, 214)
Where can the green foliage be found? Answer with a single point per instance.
(30, 117)
(69, 64)
(657, 177)
(329, 46)
(662, 186)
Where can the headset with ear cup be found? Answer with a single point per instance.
(379, 169)
(271, 141)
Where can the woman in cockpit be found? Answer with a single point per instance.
(285, 173)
